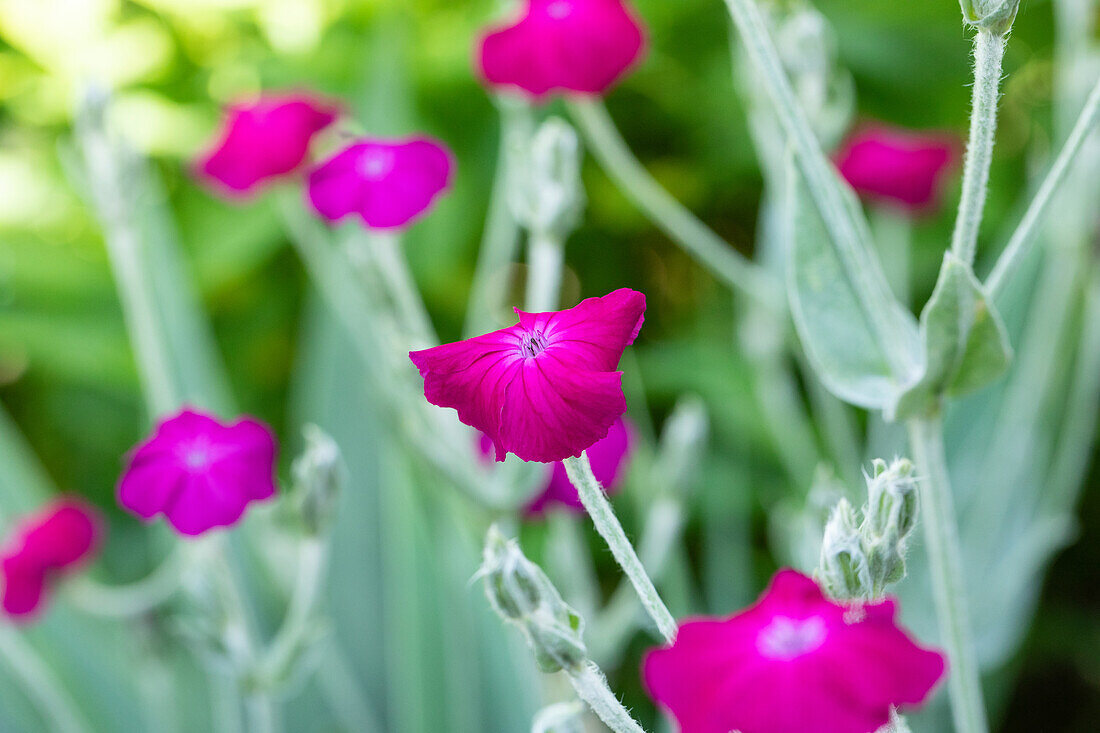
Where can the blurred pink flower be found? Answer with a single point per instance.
(793, 662)
(546, 388)
(262, 140)
(581, 46)
(388, 183)
(608, 456)
(897, 166)
(54, 541)
(198, 472)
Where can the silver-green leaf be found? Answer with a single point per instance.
(965, 343)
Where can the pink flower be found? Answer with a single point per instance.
(546, 388)
(198, 472)
(897, 166)
(582, 46)
(388, 183)
(44, 546)
(793, 662)
(262, 140)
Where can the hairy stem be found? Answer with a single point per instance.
(545, 259)
(698, 240)
(948, 584)
(1024, 236)
(299, 620)
(607, 524)
(131, 599)
(591, 686)
(989, 51)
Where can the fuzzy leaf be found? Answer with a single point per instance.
(830, 318)
(966, 346)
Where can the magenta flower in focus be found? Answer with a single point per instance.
(387, 183)
(793, 662)
(546, 388)
(262, 140)
(53, 542)
(581, 46)
(199, 472)
(897, 166)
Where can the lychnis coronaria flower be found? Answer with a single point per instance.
(199, 472)
(53, 542)
(387, 183)
(581, 46)
(264, 139)
(898, 167)
(546, 388)
(793, 662)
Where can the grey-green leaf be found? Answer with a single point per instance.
(965, 343)
(830, 318)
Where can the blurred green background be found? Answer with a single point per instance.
(66, 371)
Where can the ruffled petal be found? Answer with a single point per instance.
(594, 333)
(607, 456)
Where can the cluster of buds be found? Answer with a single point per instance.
(521, 593)
(863, 551)
(995, 16)
(549, 197)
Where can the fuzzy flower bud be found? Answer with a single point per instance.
(891, 499)
(549, 200)
(318, 474)
(522, 594)
(995, 16)
(843, 569)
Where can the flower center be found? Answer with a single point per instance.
(786, 638)
(196, 455)
(375, 164)
(532, 343)
(559, 9)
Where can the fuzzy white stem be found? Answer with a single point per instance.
(591, 686)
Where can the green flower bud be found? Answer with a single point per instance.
(995, 16)
(843, 568)
(318, 475)
(521, 593)
(891, 500)
(549, 198)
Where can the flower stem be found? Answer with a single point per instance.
(501, 235)
(948, 584)
(595, 502)
(40, 683)
(591, 686)
(393, 265)
(1024, 236)
(989, 51)
(545, 259)
(299, 619)
(838, 211)
(131, 599)
(698, 240)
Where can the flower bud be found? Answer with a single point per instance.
(843, 568)
(891, 500)
(550, 197)
(995, 16)
(521, 593)
(318, 474)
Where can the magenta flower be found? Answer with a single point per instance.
(388, 183)
(53, 542)
(546, 388)
(198, 472)
(262, 140)
(897, 166)
(793, 662)
(581, 46)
